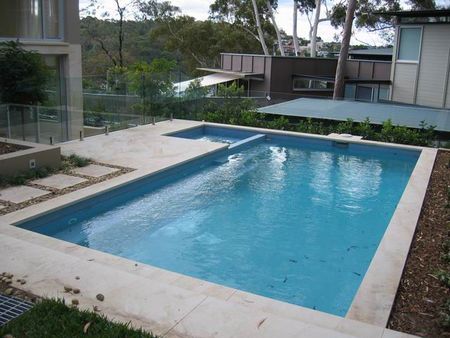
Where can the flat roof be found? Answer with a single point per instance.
(372, 51)
(406, 115)
(418, 13)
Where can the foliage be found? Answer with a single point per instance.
(52, 318)
(235, 109)
(75, 161)
(195, 91)
(199, 43)
(240, 13)
(23, 177)
(24, 75)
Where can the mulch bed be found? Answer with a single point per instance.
(6, 148)
(420, 297)
(10, 207)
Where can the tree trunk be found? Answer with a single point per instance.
(259, 28)
(294, 29)
(343, 55)
(314, 29)
(275, 26)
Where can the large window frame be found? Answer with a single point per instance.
(43, 26)
(312, 81)
(420, 28)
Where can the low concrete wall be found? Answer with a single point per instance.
(19, 161)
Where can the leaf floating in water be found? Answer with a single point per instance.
(356, 273)
(306, 257)
(261, 322)
(285, 280)
(293, 261)
(271, 286)
(352, 247)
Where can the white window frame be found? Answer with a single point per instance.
(398, 44)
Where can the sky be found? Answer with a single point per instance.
(200, 10)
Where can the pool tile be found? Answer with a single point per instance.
(21, 194)
(233, 320)
(94, 170)
(204, 287)
(59, 181)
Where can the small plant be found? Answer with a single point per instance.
(23, 177)
(443, 277)
(445, 314)
(79, 161)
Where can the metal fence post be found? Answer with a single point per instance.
(38, 126)
(8, 118)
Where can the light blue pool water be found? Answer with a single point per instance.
(291, 219)
(214, 134)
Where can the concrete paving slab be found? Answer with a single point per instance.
(59, 181)
(21, 194)
(94, 170)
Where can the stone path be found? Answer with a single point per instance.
(59, 181)
(94, 170)
(21, 194)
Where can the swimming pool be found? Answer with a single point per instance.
(213, 134)
(294, 219)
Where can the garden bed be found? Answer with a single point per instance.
(68, 164)
(420, 305)
(6, 148)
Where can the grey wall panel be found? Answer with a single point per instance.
(433, 65)
(405, 78)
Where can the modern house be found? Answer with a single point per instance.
(287, 77)
(51, 28)
(421, 63)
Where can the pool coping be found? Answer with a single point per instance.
(376, 294)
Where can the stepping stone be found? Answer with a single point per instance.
(2, 207)
(59, 181)
(94, 170)
(21, 194)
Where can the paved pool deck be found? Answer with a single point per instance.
(175, 305)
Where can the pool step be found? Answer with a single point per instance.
(249, 141)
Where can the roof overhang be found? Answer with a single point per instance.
(240, 75)
(206, 81)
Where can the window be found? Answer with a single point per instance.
(409, 44)
(364, 93)
(31, 19)
(304, 83)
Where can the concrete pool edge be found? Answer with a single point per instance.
(375, 296)
(312, 317)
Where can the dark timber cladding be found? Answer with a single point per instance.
(278, 73)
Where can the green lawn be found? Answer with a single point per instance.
(53, 319)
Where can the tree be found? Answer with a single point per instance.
(314, 24)
(259, 27)
(294, 29)
(24, 75)
(246, 15)
(113, 52)
(153, 83)
(302, 6)
(343, 55)
(422, 4)
(271, 5)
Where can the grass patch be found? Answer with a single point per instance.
(52, 318)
